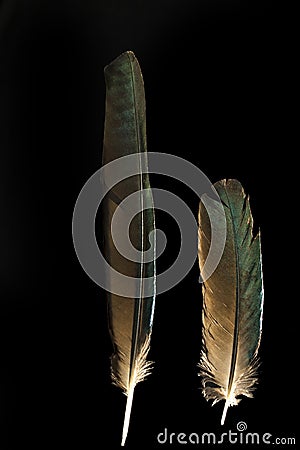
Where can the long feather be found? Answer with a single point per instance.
(130, 319)
(232, 300)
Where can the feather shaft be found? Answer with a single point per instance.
(226, 406)
(127, 415)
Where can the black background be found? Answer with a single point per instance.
(220, 93)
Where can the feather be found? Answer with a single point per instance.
(232, 299)
(130, 319)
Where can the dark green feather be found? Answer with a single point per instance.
(130, 319)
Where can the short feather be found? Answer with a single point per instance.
(232, 301)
